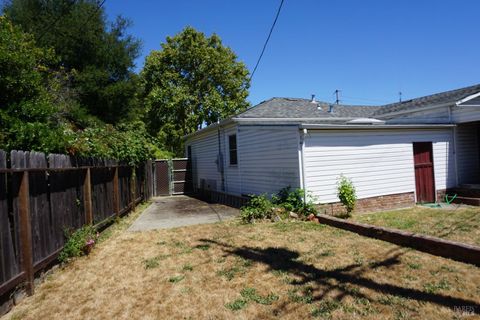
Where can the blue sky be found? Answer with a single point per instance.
(370, 50)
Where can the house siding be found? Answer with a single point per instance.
(467, 153)
(268, 158)
(379, 162)
(464, 114)
(204, 155)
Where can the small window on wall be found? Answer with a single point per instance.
(232, 146)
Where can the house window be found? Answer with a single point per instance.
(232, 146)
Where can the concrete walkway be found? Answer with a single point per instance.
(178, 211)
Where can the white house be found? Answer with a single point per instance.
(396, 154)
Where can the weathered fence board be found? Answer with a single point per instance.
(43, 197)
(9, 253)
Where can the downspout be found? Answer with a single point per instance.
(454, 144)
(304, 187)
(220, 160)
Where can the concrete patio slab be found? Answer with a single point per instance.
(178, 211)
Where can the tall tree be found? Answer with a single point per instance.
(98, 55)
(27, 115)
(194, 80)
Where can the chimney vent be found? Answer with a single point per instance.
(313, 99)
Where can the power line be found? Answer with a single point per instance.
(268, 38)
(50, 26)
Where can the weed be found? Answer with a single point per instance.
(230, 273)
(250, 294)
(435, 287)
(306, 297)
(326, 253)
(325, 308)
(176, 279)
(236, 305)
(414, 266)
(203, 247)
(187, 267)
(151, 263)
(79, 242)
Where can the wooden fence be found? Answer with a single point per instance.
(42, 196)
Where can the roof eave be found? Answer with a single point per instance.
(374, 126)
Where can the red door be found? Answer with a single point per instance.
(424, 178)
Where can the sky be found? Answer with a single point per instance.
(370, 50)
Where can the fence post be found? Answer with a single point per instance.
(116, 193)
(133, 187)
(87, 192)
(26, 232)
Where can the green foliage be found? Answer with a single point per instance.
(27, 114)
(237, 304)
(194, 80)
(128, 142)
(78, 242)
(294, 200)
(346, 193)
(151, 263)
(176, 279)
(98, 55)
(250, 294)
(259, 207)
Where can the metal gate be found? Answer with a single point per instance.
(173, 177)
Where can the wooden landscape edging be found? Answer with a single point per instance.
(439, 247)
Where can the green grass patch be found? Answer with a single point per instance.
(176, 279)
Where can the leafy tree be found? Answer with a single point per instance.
(97, 56)
(27, 116)
(192, 81)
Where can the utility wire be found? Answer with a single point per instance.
(50, 26)
(268, 38)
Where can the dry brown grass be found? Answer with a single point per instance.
(297, 270)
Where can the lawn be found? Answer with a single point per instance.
(462, 223)
(293, 270)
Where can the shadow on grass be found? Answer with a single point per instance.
(285, 260)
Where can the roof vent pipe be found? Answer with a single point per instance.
(330, 108)
(313, 99)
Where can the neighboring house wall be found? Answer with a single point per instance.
(467, 153)
(462, 114)
(379, 162)
(268, 158)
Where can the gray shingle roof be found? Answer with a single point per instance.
(438, 98)
(292, 108)
(304, 108)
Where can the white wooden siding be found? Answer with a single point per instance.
(232, 173)
(204, 156)
(464, 114)
(379, 162)
(268, 158)
(467, 153)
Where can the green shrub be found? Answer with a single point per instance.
(79, 242)
(259, 207)
(346, 193)
(293, 200)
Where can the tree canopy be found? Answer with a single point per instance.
(193, 81)
(97, 55)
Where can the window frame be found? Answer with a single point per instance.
(230, 150)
